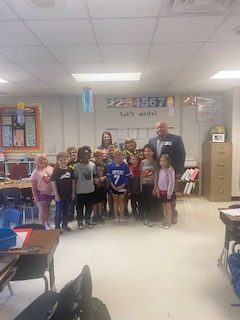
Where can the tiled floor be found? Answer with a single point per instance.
(144, 273)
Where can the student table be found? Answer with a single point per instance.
(232, 233)
(38, 253)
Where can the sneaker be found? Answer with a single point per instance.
(161, 225)
(89, 224)
(174, 219)
(94, 220)
(151, 224)
(146, 222)
(122, 221)
(80, 225)
(67, 228)
(48, 226)
(57, 227)
(166, 227)
(101, 219)
(116, 221)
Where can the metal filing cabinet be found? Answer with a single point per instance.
(217, 171)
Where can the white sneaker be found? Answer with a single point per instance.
(166, 227)
(48, 226)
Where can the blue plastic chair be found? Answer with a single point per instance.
(11, 217)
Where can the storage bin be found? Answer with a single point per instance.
(7, 238)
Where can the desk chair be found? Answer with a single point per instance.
(28, 202)
(11, 217)
(18, 171)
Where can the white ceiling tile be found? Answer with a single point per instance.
(186, 29)
(22, 77)
(124, 66)
(123, 8)
(205, 65)
(76, 53)
(6, 13)
(33, 85)
(225, 31)
(154, 84)
(3, 59)
(174, 50)
(62, 32)
(60, 79)
(27, 54)
(15, 33)
(165, 65)
(27, 10)
(53, 67)
(124, 52)
(84, 67)
(154, 75)
(9, 69)
(194, 75)
(124, 30)
(219, 50)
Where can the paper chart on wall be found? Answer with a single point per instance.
(133, 133)
(122, 134)
(143, 133)
(151, 133)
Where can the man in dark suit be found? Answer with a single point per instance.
(171, 144)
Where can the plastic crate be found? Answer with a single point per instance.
(7, 238)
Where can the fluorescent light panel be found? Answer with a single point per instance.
(87, 77)
(3, 81)
(227, 74)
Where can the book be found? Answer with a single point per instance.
(194, 174)
(23, 235)
(185, 174)
(190, 187)
(186, 188)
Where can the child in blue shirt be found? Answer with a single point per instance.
(118, 173)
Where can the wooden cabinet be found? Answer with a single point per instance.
(217, 171)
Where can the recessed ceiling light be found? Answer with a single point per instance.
(227, 74)
(3, 81)
(88, 77)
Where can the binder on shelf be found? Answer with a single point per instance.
(185, 174)
(190, 187)
(186, 188)
(194, 175)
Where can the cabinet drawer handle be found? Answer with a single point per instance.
(220, 177)
(221, 152)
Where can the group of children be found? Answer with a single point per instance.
(112, 176)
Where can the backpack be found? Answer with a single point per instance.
(234, 266)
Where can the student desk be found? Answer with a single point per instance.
(232, 233)
(7, 272)
(38, 254)
(15, 184)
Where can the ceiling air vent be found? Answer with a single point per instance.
(191, 7)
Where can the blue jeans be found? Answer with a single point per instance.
(61, 216)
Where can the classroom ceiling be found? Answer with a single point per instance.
(177, 48)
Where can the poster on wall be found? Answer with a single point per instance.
(18, 138)
(7, 138)
(20, 128)
(142, 102)
(30, 129)
(209, 109)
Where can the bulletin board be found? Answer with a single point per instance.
(20, 128)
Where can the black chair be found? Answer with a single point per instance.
(74, 301)
(24, 272)
(11, 197)
(27, 202)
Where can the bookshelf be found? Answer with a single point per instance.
(188, 183)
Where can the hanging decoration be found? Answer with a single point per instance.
(87, 100)
(20, 113)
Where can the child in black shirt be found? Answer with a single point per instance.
(63, 183)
